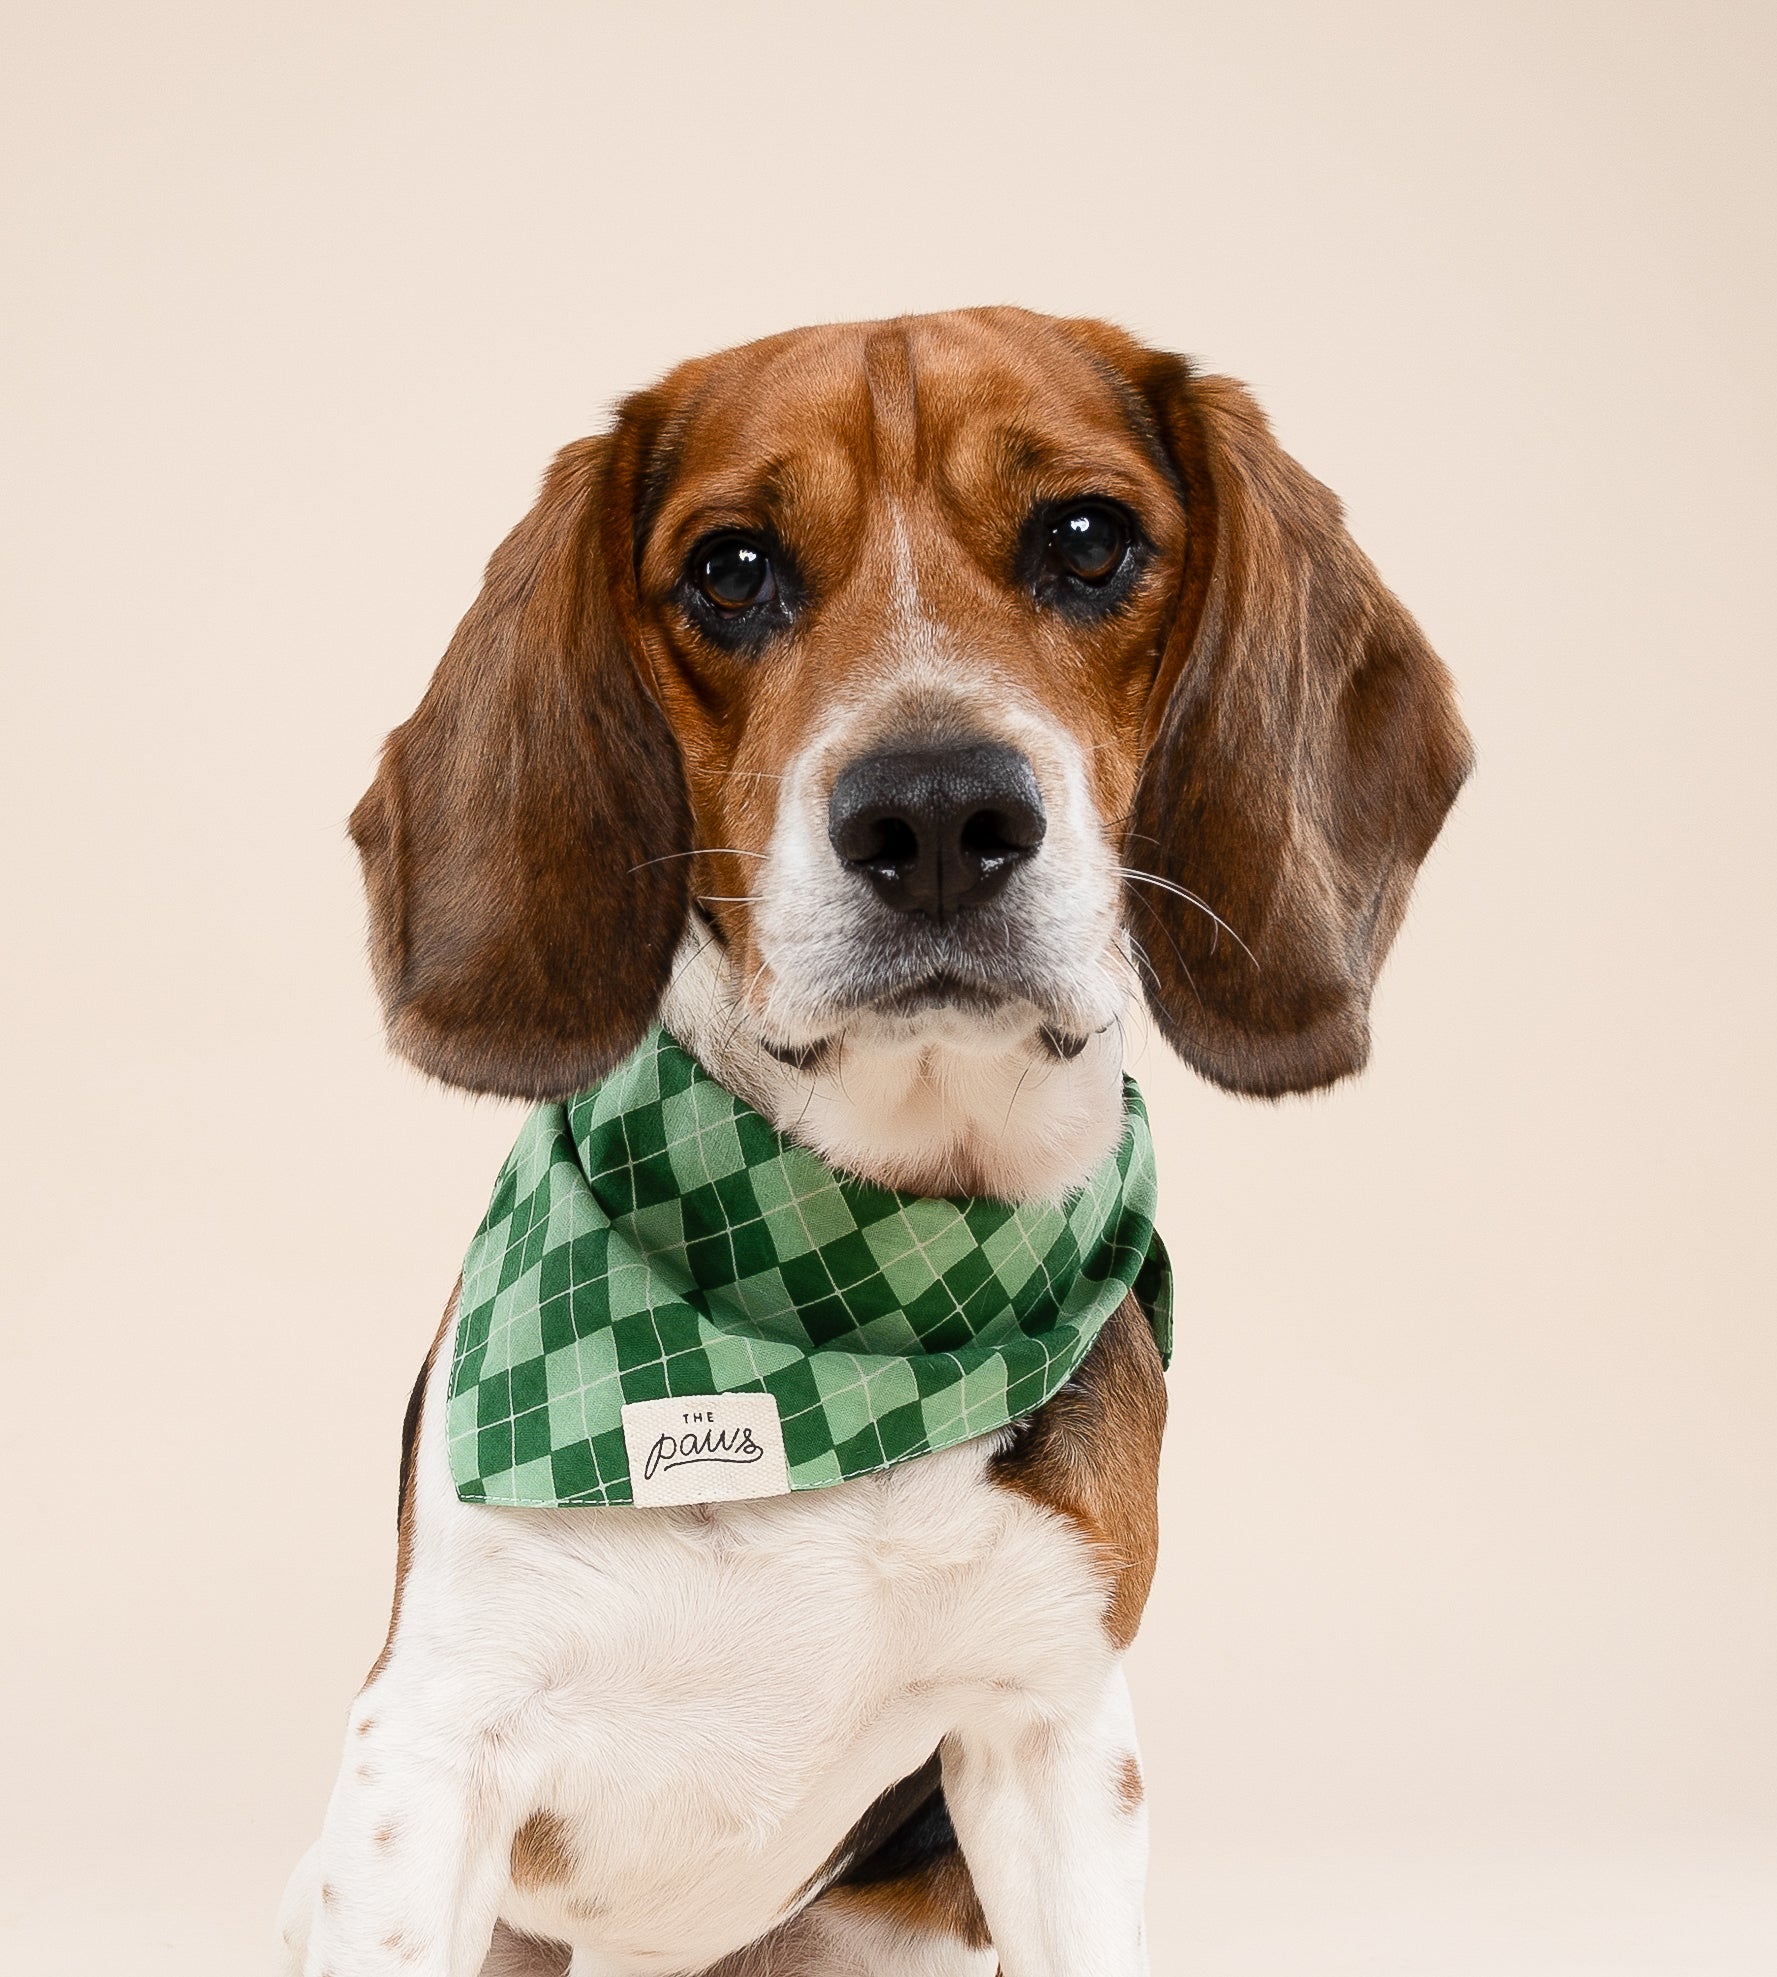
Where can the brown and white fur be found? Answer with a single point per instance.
(881, 1727)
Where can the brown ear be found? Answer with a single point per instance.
(524, 840)
(1304, 749)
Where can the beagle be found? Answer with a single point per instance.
(883, 707)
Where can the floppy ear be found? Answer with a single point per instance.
(524, 840)
(1303, 750)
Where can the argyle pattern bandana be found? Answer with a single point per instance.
(656, 1239)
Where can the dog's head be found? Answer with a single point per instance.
(948, 670)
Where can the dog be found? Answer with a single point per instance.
(884, 708)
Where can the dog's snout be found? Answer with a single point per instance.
(936, 830)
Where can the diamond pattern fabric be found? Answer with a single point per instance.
(657, 1237)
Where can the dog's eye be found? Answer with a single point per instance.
(1090, 542)
(734, 572)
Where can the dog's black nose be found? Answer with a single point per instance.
(937, 830)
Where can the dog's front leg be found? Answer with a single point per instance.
(415, 1855)
(1050, 1815)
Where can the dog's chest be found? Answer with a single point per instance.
(707, 1700)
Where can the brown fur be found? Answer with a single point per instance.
(517, 841)
(937, 1899)
(1264, 724)
(404, 1496)
(1130, 1789)
(541, 1853)
(513, 1955)
(1304, 749)
(1092, 1455)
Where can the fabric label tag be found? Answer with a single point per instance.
(705, 1448)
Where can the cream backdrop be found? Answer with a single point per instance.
(1463, 1657)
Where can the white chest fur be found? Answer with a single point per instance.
(699, 1702)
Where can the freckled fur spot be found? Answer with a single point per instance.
(365, 1728)
(384, 1836)
(1130, 1788)
(541, 1852)
(326, 1894)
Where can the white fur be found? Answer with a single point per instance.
(707, 1699)
(914, 1101)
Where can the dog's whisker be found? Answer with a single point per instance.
(1154, 915)
(1012, 1102)
(700, 851)
(683, 960)
(1190, 899)
(807, 1101)
(740, 1011)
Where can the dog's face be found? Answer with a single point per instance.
(954, 669)
(902, 592)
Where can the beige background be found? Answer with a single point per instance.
(1464, 1654)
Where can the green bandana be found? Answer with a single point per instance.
(666, 1288)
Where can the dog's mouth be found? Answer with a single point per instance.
(942, 992)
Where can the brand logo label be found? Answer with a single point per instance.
(705, 1448)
